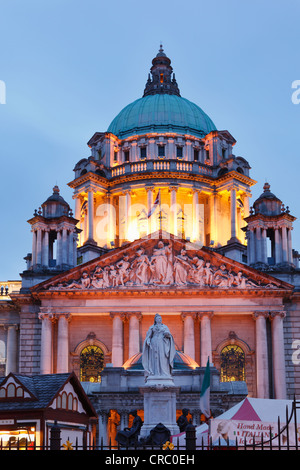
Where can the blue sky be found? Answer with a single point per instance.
(70, 66)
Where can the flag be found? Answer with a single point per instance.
(156, 202)
(205, 392)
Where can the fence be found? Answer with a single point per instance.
(286, 437)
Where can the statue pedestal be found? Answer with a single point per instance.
(159, 405)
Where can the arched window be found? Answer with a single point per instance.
(232, 363)
(91, 364)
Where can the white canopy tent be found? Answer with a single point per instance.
(251, 420)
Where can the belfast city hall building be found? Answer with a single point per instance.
(162, 223)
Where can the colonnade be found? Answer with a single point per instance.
(188, 319)
(281, 249)
(89, 227)
(42, 246)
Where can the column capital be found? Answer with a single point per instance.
(128, 315)
(209, 314)
(46, 316)
(258, 314)
(184, 315)
(11, 325)
(277, 314)
(121, 315)
(65, 315)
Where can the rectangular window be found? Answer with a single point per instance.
(126, 155)
(207, 154)
(161, 150)
(196, 155)
(143, 152)
(179, 152)
(115, 156)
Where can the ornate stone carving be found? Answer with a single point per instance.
(165, 265)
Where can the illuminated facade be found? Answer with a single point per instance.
(162, 224)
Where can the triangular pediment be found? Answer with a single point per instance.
(159, 261)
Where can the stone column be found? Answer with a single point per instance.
(278, 250)
(12, 350)
(46, 344)
(213, 217)
(90, 215)
(251, 247)
(149, 206)
(134, 332)
(59, 249)
(127, 213)
(205, 337)
(39, 247)
(64, 246)
(258, 244)
(196, 235)
(189, 333)
(233, 213)
(278, 354)
(45, 254)
(63, 343)
(262, 370)
(264, 255)
(284, 245)
(124, 419)
(289, 245)
(77, 208)
(71, 249)
(33, 255)
(117, 339)
(110, 236)
(173, 210)
(102, 426)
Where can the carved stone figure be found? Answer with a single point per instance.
(181, 268)
(221, 277)
(123, 270)
(140, 268)
(84, 282)
(129, 436)
(158, 350)
(161, 264)
(182, 421)
(208, 272)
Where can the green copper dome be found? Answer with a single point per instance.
(161, 113)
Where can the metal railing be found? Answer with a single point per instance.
(286, 437)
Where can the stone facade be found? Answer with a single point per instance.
(162, 224)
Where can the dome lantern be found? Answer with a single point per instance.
(163, 79)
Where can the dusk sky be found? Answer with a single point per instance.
(70, 66)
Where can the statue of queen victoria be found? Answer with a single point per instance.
(158, 350)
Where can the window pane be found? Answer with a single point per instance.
(64, 400)
(70, 401)
(232, 363)
(11, 390)
(179, 152)
(143, 152)
(161, 150)
(91, 364)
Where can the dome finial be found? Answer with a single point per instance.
(161, 78)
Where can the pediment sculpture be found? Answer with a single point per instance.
(162, 265)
